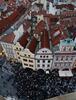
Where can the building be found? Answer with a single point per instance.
(28, 54)
(5, 23)
(67, 45)
(44, 2)
(7, 44)
(68, 18)
(66, 56)
(56, 35)
(20, 45)
(44, 56)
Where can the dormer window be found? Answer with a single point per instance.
(68, 41)
(17, 48)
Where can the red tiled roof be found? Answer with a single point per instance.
(66, 53)
(1, 49)
(26, 25)
(68, 14)
(68, 6)
(24, 39)
(45, 40)
(1, 1)
(7, 22)
(56, 39)
(9, 38)
(43, 12)
(11, 2)
(40, 27)
(33, 44)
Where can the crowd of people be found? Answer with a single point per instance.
(37, 85)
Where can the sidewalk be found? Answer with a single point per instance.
(70, 96)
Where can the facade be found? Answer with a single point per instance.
(28, 54)
(56, 35)
(20, 45)
(66, 56)
(7, 45)
(44, 56)
(35, 50)
(44, 59)
(64, 60)
(44, 2)
(68, 18)
(67, 45)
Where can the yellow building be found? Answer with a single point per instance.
(28, 54)
(20, 45)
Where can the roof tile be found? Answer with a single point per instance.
(9, 38)
(33, 44)
(24, 39)
(45, 40)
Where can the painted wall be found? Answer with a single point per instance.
(44, 59)
(27, 59)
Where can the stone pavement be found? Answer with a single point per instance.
(71, 96)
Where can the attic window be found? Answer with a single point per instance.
(18, 53)
(17, 48)
(28, 55)
(31, 65)
(43, 65)
(20, 49)
(24, 59)
(68, 41)
(48, 61)
(38, 61)
(43, 61)
(40, 56)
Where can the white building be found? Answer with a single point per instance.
(7, 45)
(44, 55)
(44, 2)
(66, 56)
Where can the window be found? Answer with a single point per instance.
(38, 61)
(18, 57)
(25, 64)
(38, 65)
(40, 56)
(47, 56)
(48, 61)
(20, 49)
(25, 54)
(56, 57)
(48, 65)
(24, 59)
(43, 65)
(66, 58)
(46, 51)
(43, 61)
(28, 55)
(18, 53)
(62, 58)
(71, 58)
(55, 64)
(43, 56)
(31, 65)
(31, 61)
(17, 48)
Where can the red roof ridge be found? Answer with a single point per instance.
(8, 38)
(24, 39)
(45, 40)
(32, 45)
